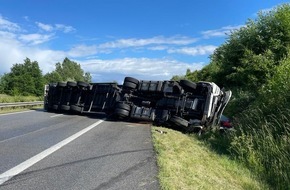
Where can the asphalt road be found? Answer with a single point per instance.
(41, 150)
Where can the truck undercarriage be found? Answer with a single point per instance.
(193, 107)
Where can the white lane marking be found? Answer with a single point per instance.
(57, 115)
(33, 160)
(16, 112)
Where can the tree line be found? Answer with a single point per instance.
(254, 62)
(250, 58)
(27, 78)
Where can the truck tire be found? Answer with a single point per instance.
(132, 80)
(121, 113)
(61, 84)
(187, 85)
(65, 107)
(71, 84)
(55, 107)
(82, 84)
(76, 108)
(123, 106)
(129, 85)
(180, 122)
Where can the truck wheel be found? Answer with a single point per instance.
(129, 85)
(123, 106)
(55, 107)
(61, 84)
(71, 84)
(76, 108)
(121, 113)
(65, 107)
(132, 80)
(179, 121)
(82, 84)
(187, 85)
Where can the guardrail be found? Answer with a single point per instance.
(20, 104)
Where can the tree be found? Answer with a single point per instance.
(177, 77)
(1, 85)
(52, 77)
(67, 71)
(249, 55)
(87, 77)
(24, 79)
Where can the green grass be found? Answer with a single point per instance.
(19, 109)
(8, 99)
(186, 162)
(262, 143)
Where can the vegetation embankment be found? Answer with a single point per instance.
(254, 63)
(185, 162)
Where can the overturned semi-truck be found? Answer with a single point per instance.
(191, 106)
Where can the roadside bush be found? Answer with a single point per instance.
(240, 101)
(255, 64)
(276, 92)
(262, 140)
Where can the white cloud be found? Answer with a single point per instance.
(143, 68)
(13, 30)
(14, 48)
(82, 50)
(86, 50)
(158, 48)
(16, 45)
(158, 40)
(64, 28)
(7, 35)
(35, 39)
(8, 26)
(26, 18)
(220, 32)
(158, 43)
(14, 51)
(56, 27)
(45, 27)
(194, 51)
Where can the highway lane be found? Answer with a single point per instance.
(26, 134)
(112, 155)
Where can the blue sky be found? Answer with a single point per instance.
(145, 39)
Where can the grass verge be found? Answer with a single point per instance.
(185, 162)
(11, 99)
(262, 143)
(8, 99)
(19, 109)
